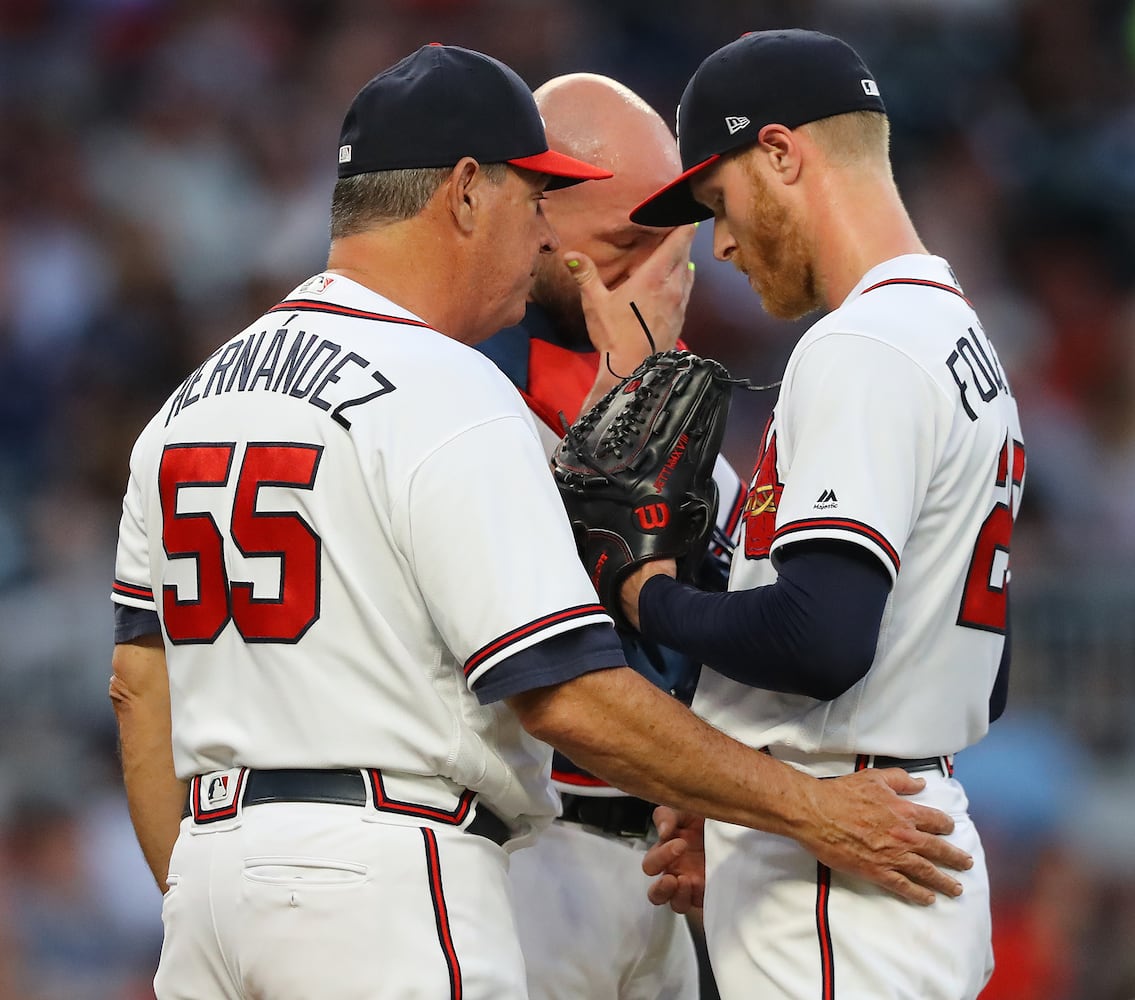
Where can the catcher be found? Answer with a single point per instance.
(578, 331)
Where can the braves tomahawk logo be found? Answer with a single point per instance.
(759, 512)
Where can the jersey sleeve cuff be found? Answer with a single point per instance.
(844, 529)
(133, 594)
(557, 659)
(488, 656)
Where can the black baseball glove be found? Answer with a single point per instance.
(636, 471)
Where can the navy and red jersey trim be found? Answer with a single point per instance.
(310, 305)
(526, 631)
(124, 589)
(842, 524)
(441, 914)
(925, 282)
(384, 803)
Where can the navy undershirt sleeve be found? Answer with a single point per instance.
(133, 623)
(812, 632)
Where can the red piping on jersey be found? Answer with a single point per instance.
(579, 780)
(308, 305)
(919, 281)
(132, 590)
(482, 654)
(383, 803)
(824, 931)
(441, 914)
(858, 527)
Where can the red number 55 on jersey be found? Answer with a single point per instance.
(281, 535)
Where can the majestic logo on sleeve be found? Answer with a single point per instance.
(759, 513)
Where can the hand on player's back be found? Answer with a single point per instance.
(660, 290)
(862, 827)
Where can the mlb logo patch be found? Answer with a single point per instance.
(216, 796)
(317, 285)
(218, 789)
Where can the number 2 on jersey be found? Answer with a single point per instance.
(985, 599)
(281, 535)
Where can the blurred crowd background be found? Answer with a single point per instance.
(165, 170)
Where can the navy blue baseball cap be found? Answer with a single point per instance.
(788, 77)
(444, 102)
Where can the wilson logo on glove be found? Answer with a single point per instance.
(652, 516)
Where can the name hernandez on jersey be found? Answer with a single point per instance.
(901, 436)
(299, 364)
(295, 518)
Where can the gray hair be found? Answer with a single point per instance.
(364, 201)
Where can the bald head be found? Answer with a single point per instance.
(600, 121)
(587, 115)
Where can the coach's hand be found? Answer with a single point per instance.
(861, 827)
(678, 859)
(659, 288)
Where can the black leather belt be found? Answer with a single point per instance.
(913, 764)
(337, 787)
(622, 815)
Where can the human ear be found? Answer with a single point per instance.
(463, 192)
(782, 150)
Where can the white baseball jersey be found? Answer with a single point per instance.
(344, 520)
(895, 430)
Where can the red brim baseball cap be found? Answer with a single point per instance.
(790, 77)
(442, 103)
(564, 170)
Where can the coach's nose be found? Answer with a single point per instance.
(550, 242)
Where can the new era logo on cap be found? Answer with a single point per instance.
(789, 76)
(345, 153)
